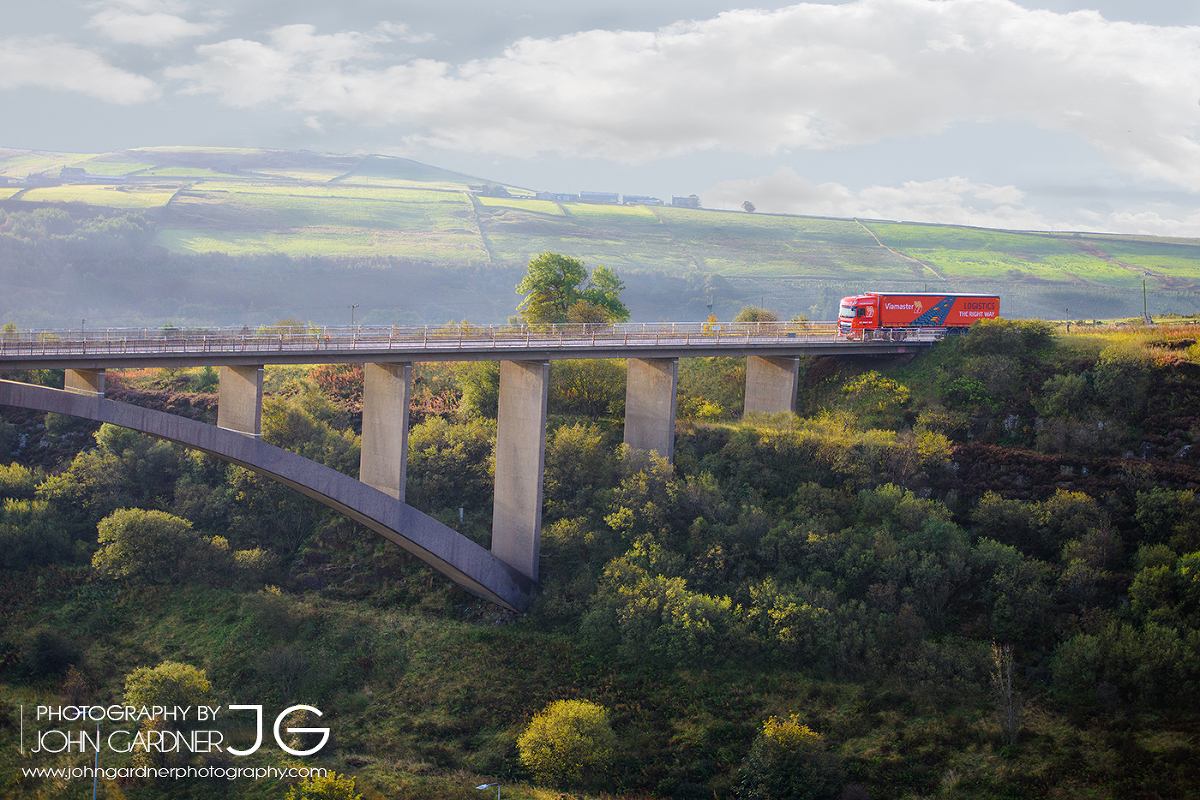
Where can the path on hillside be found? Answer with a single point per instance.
(924, 264)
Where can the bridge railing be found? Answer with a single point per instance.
(374, 338)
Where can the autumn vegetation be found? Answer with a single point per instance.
(971, 575)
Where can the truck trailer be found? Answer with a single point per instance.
(883, 315)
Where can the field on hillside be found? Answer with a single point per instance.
(245, 203)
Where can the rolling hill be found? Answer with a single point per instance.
(413, 219)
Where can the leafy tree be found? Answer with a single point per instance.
(591, 388)
(171, 683)
(1171, 516)
(1008, 703)
(143, 545)
(126, 469)
(450, 465)
(756, 314)
(1064, 395)
(158, 547)
(329, 786)
(1154, 665)
(30, 534)
(306, 426)
(555, 283)
(585, 313)
(578, 466)
(603, 290)
(479, 382)
(9, 440)
(568, 743)
(790, 761)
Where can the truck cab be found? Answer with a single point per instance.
(857, 314)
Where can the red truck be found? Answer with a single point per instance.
(880, 315)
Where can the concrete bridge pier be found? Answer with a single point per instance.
(771, 384)
(239, 402)
(650, 404)
(88, 382)
(384, 457)
(520, 459)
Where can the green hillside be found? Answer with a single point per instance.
(302, 204)
(972, 575)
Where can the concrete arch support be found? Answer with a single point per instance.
(87, 382)
(239, 404)
(452, 554)
(384, 457)
(771, 384)
(520, 459)
(650, 404)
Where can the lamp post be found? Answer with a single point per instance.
(490, 785)
(356, 305)
(1145, 309)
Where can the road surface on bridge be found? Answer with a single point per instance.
(114, 348)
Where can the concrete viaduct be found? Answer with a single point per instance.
(507, 573)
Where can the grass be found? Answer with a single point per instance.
(107, 196)
(308, 175)
(346, 242)
(97, 166)
(26, 162)
(532, 206)
(244, 201)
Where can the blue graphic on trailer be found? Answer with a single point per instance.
(936, 314)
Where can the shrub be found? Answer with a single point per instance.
(568, 743)
(330, 786)
(30, 535)
(1010, 337)
(144, 545)
(589, 388)
(47, 653)
(1064, 395)
(578, 465)
(450, 464)
(756, 314)
(169, 684)
(1122, 379)
(18, 482)
(790, 761)
(480, 385)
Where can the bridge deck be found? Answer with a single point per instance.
(114, 348)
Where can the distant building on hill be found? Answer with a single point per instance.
(558, 197)
(641, 200)
(611, 198)
(42, 179)
(490, 190)
(80, 175)
(691, 201)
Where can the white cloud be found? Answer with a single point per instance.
(147, 22)
(1145, 223)
(950, 201)
(954, 201)
(49, 64)
(808, 76)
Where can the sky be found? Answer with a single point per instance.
(1041, 115)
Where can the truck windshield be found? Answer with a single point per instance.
(846, 311)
